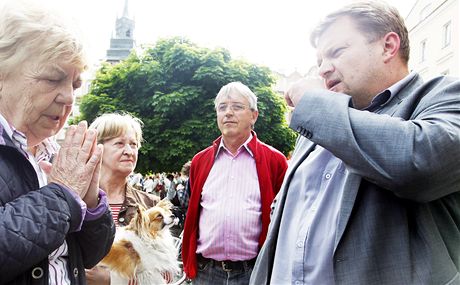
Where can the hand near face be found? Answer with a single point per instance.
(77, 161)
(296, 91)
(93, 191)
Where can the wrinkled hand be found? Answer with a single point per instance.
(93, 190)
(77, 160)
(296, 91)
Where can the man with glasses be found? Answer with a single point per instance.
(232, 183)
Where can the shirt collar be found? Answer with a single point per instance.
(245, 145)
(5, 126)
(18, 138)
(385, 96)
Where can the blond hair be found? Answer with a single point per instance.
(374, 18)
(113, 125)
(30, 30)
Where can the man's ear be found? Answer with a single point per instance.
(255, 115)
(391, 44)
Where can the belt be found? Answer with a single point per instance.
(228, 265)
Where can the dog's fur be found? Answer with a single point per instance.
(144, 249)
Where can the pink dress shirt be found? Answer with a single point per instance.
(230, 219)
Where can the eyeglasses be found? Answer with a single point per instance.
(235, 107)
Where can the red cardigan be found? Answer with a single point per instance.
(271, 166)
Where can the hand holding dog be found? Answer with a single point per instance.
(97, 275)
(77, 162)
(296, 91)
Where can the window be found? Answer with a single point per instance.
(423, 50)
(446, 34)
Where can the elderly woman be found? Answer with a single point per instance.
(121, 136)
(54, 220)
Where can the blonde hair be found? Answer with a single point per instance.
(113, 125)
(29, 30)
(374, 18)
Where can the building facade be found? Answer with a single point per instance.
(434, 37)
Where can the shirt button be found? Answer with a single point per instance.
(299, 244)
(298, 283)
(328, 175)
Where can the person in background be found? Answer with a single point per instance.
(54, 219)
(372, 193)
(136, 180)
(232, 184)
(170, 185)
(121, 136)
(149, 184)
(183, 190)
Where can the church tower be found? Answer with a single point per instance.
(123, 42)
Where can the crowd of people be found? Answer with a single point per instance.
(172, 186)
(371, 194)
(160, 184)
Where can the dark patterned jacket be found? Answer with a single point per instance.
(35, 221)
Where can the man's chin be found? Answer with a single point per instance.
(229, 133)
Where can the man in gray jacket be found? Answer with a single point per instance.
(372, 193)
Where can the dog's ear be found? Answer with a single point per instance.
(138, 221)
(139, 209)
(165, 204)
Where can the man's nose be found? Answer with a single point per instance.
(325, 68)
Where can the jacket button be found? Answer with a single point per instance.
(75, 272)
(37, 273)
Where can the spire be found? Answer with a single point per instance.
(125, 10)
(123, 41)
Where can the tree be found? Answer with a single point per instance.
(171, 87)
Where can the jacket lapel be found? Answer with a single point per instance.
(264, 262)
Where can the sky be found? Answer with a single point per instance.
(273, 33)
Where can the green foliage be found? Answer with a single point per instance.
(171, 87)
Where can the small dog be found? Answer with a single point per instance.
(144, 250)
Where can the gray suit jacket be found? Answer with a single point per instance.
(399, 221)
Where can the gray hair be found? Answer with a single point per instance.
(374, 18)
(240, 89)
(28, 30)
